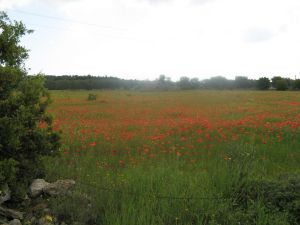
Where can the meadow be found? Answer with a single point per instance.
(178, 157)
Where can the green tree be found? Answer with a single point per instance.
(297, 84)
(26, 133)
(274, 81)
(12, 54)
(242, 82)
(194, 83)
(219, 83)
(263, 83)
(184, 83)
(281, 85)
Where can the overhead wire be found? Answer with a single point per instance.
(148, 195)
(116, 36)
(66, 20)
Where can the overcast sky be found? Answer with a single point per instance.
(142, 39)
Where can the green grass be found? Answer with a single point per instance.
(142, 180)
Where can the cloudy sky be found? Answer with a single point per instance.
(145, 38)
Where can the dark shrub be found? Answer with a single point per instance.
(25, 129)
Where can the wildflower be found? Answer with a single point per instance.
(178, 154)
(199, 140)
(93, 144)
(49, 218)
(227, 158)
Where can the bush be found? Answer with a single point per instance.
(26, 133)
(281, 195)
(92, 97)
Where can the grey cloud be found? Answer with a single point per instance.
(258, 35)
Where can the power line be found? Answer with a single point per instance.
(66, 20)
(78, 22)
(103, 35)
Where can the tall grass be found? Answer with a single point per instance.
(177, 157)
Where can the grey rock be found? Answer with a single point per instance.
(15, 222)
(11, 213)
(60, 187)
(37, 186)
(4, 193)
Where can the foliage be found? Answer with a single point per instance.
(281, 85)
(218, 83)
(184, 83)
(243, 82)
(263, 83)
(12, 54)
(25, 129)
(274, 81)
(162, 83)
(297, 84)
(278, 195)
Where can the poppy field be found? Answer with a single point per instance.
(178, 157)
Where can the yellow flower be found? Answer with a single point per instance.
(49, 218)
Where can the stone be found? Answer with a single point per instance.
(15, 222)
(11, 213)
(4, 194)
(37, 186)
(60, 187)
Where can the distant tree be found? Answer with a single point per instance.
(162, 79)
(281, 85)
(184, 83)
(263, 83)
(242, 82)
(163, 83)
(218, 83)
(290, 82)
(297, 84)
(274, 81)
(194, 82)
(75, 82)
(26, 133)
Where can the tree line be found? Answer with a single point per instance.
(89, 82)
